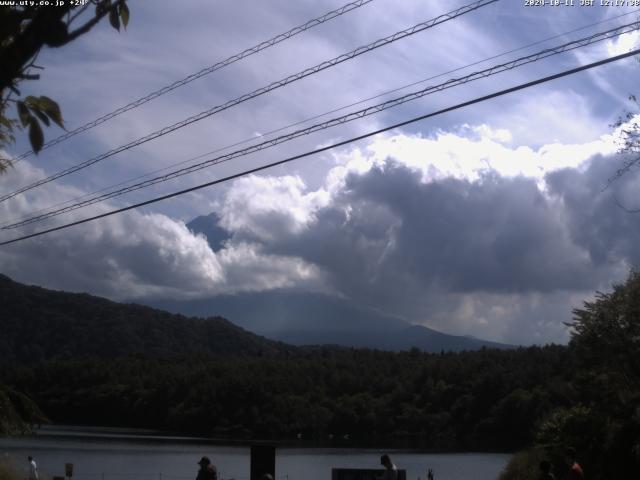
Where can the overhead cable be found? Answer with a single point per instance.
(314, 117)
(261, 91)
(335, 121)
(329, 147)
(205, 71)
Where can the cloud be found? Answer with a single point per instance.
(546, 116)
(466, 231)
(493, 234)
(597, 212)
(424, 251)
(463, 231)
(516, 318)
(266, 207)
(471, 151)
(136, 255)
(623, 44)
(488, 220)
(127, 257)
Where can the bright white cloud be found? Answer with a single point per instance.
(248, 269)
(623, 44)
(472, 152)
(267, 207)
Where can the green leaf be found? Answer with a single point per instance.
(5, 163)
(124, 14)
(6, 139)
(52, 109)
(6, 123)
(43, 118)
(35, 135)
(23, 112)
(114, 20)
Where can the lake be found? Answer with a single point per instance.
(115, 456)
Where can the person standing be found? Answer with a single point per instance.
(208, 470)
(33, 468)
(390, 470)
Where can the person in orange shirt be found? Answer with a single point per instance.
(575, 470)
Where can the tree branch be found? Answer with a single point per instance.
(25, 45)
(79, 12)
(90, 24)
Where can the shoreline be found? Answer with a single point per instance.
(136, 435)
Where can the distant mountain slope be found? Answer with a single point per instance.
(301, 318)
(311, 319)
(417, 336)
(36, 323)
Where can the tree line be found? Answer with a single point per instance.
(473, 400)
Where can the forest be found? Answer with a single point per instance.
(449, 401)
(585, 395)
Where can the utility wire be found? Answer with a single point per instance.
(335, 145)
(205, 71)
(315, 117)
(336, 121)
(261, 91)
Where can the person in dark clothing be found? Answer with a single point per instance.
(390, 470)
(208, 470)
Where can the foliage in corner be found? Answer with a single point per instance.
(628, 138)
(523, 466)
(24, 31)
(8, 471)
(18, 413)
(606, 346)
(600, 417)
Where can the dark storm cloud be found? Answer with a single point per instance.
(598, 217)
(389, 229)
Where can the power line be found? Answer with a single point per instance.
(597, 37)
(205, 71)
(261, 91)
(9, 223)
(339, 120)
(335, 145)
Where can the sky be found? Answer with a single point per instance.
(494, 220)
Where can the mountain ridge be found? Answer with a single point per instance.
(40, 324)
(301, 318)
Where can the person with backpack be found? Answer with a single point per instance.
(208, 470)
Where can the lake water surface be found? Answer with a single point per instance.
(130, 457)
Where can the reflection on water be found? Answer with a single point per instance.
(140, 455)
